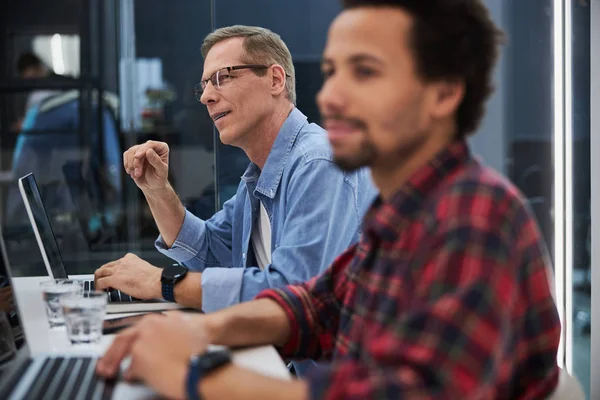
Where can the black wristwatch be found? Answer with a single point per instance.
(202, 365)
(170, 276)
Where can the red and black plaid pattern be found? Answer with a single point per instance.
(446, 296)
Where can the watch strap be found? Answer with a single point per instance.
(193, 377)
(202, 365)
(168, 291)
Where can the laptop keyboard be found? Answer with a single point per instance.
(114, 296)
(68, 378)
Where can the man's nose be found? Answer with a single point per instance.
(331, 97)
(209, 94)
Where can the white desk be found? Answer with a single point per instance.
(45, 340)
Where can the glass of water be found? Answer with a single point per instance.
(52, 291)
(84, 316)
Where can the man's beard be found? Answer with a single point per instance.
(363, 158)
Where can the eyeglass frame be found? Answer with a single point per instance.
(199, 89)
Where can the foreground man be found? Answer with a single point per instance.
(447, 294)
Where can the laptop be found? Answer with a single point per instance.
(52, 376)
(119, 302)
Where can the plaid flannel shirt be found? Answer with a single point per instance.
(447, 295)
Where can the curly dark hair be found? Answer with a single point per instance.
(454, 40)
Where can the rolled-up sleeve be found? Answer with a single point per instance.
(313, 310)
(300, 309)
(202, 244)
(188, 241)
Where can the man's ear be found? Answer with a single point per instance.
(278, 79)
(448, 96)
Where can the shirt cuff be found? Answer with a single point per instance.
(281, 297)
(221, 287)
(183, 248)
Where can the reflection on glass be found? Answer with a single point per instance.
(580, 80)
(167, 44)
(57, 53)
(60, 52)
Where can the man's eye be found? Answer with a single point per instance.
(224, 77)
(326, 73)
(364, 72)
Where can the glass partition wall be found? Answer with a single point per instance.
(117, 73)
(572, 166)
(594, 48)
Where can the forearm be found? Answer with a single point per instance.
(188, 292)
(253, 323)
(168, 213)
(232, 382)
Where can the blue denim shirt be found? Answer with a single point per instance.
(314, 208)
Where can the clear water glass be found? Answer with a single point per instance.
(52, 291)
(84, 316)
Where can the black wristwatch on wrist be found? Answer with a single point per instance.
(170, 276)
(200, 366)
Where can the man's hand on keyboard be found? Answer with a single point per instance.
(131, 275)
(160, 347)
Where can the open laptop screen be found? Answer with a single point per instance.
(12, 337)
(41, 227)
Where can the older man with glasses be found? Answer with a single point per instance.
(294, 209)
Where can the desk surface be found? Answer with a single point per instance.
(45, 340)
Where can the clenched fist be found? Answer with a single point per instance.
(148, 165)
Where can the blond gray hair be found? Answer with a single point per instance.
(261, 46)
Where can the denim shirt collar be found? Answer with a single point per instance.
(270, 176)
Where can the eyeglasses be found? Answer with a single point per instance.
(223, 77)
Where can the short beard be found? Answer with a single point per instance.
(364, 158)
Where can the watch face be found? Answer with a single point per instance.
(173, 273)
